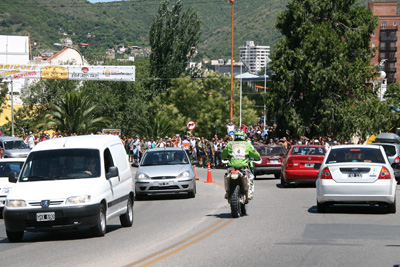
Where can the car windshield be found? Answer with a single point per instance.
(15, 144)
(271, 151)
(363, 154)
(171, 157)
(61, 164)
(308, 150)
(8, 167)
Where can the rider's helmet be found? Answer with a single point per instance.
(239, 136)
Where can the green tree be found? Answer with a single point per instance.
(174, 36)
(321, 67)
(75, 114)
(206, 101)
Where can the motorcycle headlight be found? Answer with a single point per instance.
(15, 203)
(78, 200)
(143, 176)
(184, 174)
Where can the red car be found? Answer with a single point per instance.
(301, 164)
(272, 157)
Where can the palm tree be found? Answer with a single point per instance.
(75, 114)
(155, 125)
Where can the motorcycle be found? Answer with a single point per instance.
(236, 183)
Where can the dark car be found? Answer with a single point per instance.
(272, 157)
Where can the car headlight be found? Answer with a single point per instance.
(15, 203)
(78, 200)
(184, 174)
(143, 176)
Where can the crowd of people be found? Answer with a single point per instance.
(208, 150)
(203, 149)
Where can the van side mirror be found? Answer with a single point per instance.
(112, 172)
(12, 177)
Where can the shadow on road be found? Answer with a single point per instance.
(351, 209)
(167, 196)
(221, 216)
(64, 235)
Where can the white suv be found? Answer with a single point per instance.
(68, 183)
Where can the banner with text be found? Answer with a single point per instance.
(67, 72)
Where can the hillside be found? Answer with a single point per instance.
(128, 23)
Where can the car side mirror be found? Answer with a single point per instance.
(135, 165)
(195, 162)
(282, 155)
(112, 172)
(12, 177)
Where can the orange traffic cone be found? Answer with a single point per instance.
(195, 173)
(209, 176)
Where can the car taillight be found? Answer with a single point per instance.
(289, 163)
(385, 174)
(397, 160)
(326, 174)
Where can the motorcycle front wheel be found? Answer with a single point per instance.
(235, 202)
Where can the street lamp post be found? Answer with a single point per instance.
(12, 108)
(231, 113)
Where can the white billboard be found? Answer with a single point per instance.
(14, 49)
(67, 72)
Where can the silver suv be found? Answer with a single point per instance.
(391, 144)
(14, 147)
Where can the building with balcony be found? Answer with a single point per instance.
(385, 37)
(255, 57)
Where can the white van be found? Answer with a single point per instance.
(71, 182)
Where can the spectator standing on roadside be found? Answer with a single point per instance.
(231, 128)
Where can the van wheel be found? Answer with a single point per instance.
(15, 236)
(101, 226)
(127, 218)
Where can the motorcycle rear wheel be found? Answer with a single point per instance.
(235, 202)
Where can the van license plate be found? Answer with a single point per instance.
(45, 216)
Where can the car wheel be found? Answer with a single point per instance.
(321, 207)
(192, 194)
(15, 236)
(391, 208)
(283, 182)
(277, 175)
(127, 218)
(100, 228)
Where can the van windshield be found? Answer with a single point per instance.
(61, 164)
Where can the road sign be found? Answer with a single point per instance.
(191, 125)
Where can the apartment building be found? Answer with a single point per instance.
(255, 57)
(384, 38)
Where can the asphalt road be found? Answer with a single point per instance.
(282, 229)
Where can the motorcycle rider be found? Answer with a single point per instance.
(239, 151)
